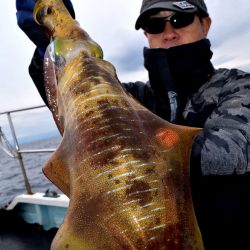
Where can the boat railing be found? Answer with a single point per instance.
(13, 149)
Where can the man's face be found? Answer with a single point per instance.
(171, 37)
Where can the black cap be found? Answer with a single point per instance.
(188, 6)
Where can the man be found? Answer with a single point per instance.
(184, 88)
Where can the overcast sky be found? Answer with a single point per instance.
(111, 24)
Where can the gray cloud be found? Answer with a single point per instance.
(229, 20)
(223, 59)
(129, 59)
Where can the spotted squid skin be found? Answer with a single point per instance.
(125, 170)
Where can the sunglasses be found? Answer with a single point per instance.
(178, 20)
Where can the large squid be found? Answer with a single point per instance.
(125, 170)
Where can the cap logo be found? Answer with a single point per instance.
(184, 5)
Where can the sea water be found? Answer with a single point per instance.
(11, 178)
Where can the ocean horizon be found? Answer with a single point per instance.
(11, 178)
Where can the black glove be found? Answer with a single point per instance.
(26, 22)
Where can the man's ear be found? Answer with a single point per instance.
(146, 34)
(206, 23)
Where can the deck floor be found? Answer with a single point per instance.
(15, 234)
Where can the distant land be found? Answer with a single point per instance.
(38, 137)
(30, 125)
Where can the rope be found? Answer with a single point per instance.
(6, 146)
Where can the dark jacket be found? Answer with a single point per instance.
(220, 161)
(219, 102)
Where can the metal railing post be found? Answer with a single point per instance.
(19, 155)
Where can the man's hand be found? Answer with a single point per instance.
(26, 22)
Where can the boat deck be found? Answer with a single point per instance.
(15, 234)
(31, 221)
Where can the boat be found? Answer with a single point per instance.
(30, 220)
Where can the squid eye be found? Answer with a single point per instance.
(56, 58)
(41, 13)
(49, 11)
